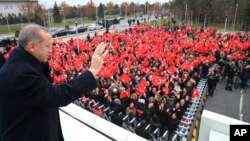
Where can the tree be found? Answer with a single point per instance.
(72, 12)
(40, 15)
(124, 7)
(131, 8)
(64, 7)
(116, 9)
(110, 8)
(56, 14)
(28, 10)
(100, 10)
(81, 12)
(91, 10)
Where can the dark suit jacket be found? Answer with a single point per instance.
(2, 60)
(29, 102)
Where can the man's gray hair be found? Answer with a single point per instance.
(30, 32)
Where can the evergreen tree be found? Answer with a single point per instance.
(100, 10)
(116, 9)
(56, 14)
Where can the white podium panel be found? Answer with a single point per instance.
(80, 125)
(214, 125)
(73, 130)
(216, 136)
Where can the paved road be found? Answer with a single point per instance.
(230, 103)
(113, 28)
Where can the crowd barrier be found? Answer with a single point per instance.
(188, 128)
(129, 124)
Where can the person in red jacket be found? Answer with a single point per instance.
(28, 100)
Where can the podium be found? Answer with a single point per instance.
(80, 125)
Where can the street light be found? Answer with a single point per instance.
(96, 14)
(8, 24)
(80, 12)
(186, 13)
(6, 16)
(104, 11)
(134, 10)
(21, 20)
(205, 21)
(121, 10)
(77, 36)
(225, 26)
(49, 20)
(235, 14)
(61, 13)
(126, 10)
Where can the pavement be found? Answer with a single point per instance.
(230, 103)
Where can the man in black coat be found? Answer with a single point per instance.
(28, 101)
(211, 82)
(244, 77)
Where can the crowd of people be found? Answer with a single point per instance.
(151, 73)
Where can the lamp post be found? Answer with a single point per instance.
(80, 12)
(61, 13)
(225, 26)
(121, 10)
(77, 40)
(134, 11)
(49, 20)
(6, 16)
(205, 21)
(8, 24)
(146, 11)
(96, 14)
(21, 20)
(185, 13)
(236, 9)
(126, 10)
(104, 11)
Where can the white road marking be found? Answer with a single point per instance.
(241, 106)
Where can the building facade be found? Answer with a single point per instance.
(15, 7)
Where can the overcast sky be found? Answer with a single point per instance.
(50, 3)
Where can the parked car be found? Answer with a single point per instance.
(79, 29)
(59, 32)
(52, 29)
(95, 27)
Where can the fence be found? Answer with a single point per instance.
(188, 128)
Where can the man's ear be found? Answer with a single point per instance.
(30, 47)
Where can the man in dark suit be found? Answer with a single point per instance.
(28, 101)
